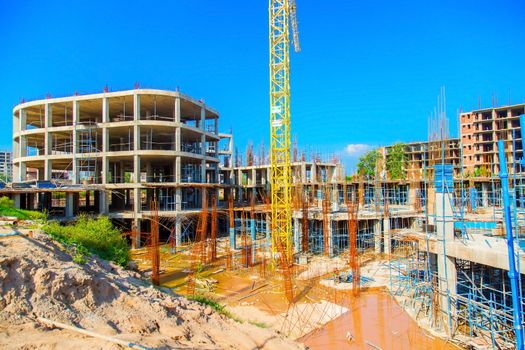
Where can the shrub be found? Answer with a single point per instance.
(97, 236)
(7, 208)
(214, 305)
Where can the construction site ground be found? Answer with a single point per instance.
(42, 289)
(325, 313)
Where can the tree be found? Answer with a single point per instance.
(4, 178)
(367, 163)
(396, 162)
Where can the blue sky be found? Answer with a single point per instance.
(369, 72)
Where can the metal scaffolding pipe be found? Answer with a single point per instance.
(516, 307)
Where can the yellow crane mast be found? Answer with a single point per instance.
(282, 12)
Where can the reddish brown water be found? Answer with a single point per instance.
(375, 321)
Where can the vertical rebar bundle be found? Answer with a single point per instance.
(304, 208)
(155, 255)
(213, 240)
(353, 208)
(326, 221)
(204, 226)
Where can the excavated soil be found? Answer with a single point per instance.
(39, 279)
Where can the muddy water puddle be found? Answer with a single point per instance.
(375, 321)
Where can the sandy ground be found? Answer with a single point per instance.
(297, 321)
(38, 279)
(321, 266)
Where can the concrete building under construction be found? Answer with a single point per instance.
(111, 153)
(439, 227)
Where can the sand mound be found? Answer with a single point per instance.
(38, 279)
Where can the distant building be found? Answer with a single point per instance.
(480, 131)
(6, 165)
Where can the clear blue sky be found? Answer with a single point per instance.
(369, 72)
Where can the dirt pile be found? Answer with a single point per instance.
(38, 279)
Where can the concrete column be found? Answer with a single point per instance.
(203, 145)
(105, 140)
(48, 167)
(485, 194)
(105, 169)
(48, 112)
(203, 171)
(387, 236)
(23, 146)
(303, 172)
(177, 139)
(136, 168)
(105, 110)
(69, 205)
(296, 234)
(203, 119)
(136, 127)
(137, 202)
(136, 224)
(231, 229)
(445, 233)
(48, 142)
(178, 232)
(22, 120)
(76, 116)
(19, 147)
(136, 137)
(20, 172)
(377, 236)
(177, 109)
(136, 106)
(178, 199)
(16, 200)
(103, 202)
(177, 169)
(330, 238)
(47, 124)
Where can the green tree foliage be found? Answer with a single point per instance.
(396, 162)
(367, 163)
(96, 236)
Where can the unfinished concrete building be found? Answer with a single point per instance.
(480, 131)
(425, 153)
(112, 152)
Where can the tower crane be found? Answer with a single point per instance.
(282, 14)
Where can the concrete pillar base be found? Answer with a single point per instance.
(69, 205)
(377, 237)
